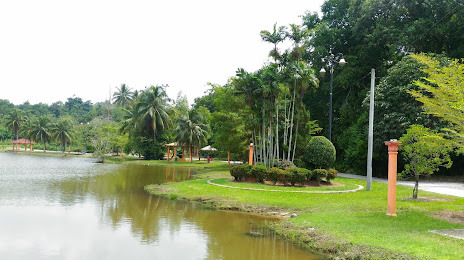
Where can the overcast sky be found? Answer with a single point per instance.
(53, 49)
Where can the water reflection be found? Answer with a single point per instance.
(73, 208)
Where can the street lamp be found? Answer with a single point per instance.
(330, 62)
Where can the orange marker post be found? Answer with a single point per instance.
(392, 170)
(250, 157)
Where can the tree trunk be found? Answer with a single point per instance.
(277, 130)
(228, 157)
(190, 154)
(416, 188)
(291, 126)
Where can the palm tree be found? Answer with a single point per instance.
(14, 120)
(151, 110)
(41, 131)
(27, 128)
(278, 35)
(190, 132)
(123, 96)
(63, 131)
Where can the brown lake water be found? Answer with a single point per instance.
(73, 208)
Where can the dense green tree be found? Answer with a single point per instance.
(229, 130)
(425, 151)
(442, 95)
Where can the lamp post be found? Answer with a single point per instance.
(330, 62)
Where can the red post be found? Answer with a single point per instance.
(250, 156)
(392, 170)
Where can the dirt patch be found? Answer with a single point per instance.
(428, 199)
(451, 216)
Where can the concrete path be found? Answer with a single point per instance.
(446, 188)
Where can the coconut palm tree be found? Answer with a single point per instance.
(151, 110)
(190, 134)
(14, 120)
(123, 96)
(63, 131)
(41, 131)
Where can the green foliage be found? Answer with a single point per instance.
(318, 174)
(442, 95)
(259, 172)
(240, 172)
(425, 151)
(284, 164)
(320, 152)
(331, 174)
(123, 96)
(274, 174)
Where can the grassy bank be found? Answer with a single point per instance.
(347, 225)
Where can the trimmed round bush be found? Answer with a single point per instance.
(240, 172)
(274, 174)
(320, 152)
(235, 172)
(284, 165)
(331, 174)
(259, 172)
(318, 174)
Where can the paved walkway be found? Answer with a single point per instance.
(446, 188)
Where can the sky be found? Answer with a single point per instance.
(54, 49)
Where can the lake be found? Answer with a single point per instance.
(54, 207)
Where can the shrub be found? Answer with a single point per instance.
(305, 175)
(236, 172)
(291, 176)
(331, 174)
(274, 174)
(320, 152)
(259, 172)
(299, 163)
(240, 172)
(284, 165)
(318, 174)
(295, 176)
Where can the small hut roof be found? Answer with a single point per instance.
(208, 148)
(22, 141)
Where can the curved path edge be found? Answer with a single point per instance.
(360, 187)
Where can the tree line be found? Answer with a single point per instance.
(285, 102)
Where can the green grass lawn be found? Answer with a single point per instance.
(350, 219)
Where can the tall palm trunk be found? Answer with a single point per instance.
(277, 131)
(291, 126)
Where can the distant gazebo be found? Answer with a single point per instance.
(22, 141)
(173, 146)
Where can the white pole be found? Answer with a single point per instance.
(371, 132)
